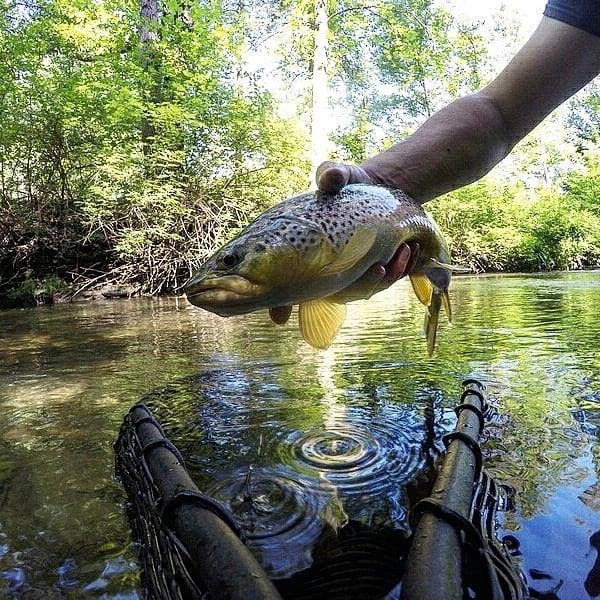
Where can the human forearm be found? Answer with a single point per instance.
(455, 146)
(463, 141)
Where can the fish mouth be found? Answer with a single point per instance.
(219, 293)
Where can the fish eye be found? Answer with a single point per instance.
(230, 259)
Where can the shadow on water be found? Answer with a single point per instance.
(311, 450)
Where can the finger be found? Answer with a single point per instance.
(363, 288)
(415, 254)
(376, 281)
(397, 267)
(375, 274)
(332, 177)
(369, 280)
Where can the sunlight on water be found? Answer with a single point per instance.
(299, 443)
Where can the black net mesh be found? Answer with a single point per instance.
(166, 571)
(358, 562)
(488, 497)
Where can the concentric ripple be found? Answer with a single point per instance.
(337, 450)
(280, 517)
(360, 452)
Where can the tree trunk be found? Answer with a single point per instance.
(320, 97)
(148, 39)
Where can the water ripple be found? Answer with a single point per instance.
(337, 450)
(275, 511)
(360, 455)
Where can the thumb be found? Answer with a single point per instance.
(332, 177)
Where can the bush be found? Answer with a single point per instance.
(505, 228)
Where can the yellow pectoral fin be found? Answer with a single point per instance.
(360, 243)
(320, 320)
(422, 287)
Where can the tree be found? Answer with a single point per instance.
(320, 96)
(584, 117)
(128, 143)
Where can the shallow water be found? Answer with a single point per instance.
(296, 442)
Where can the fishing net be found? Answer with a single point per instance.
(488, 498)
(360, 562)
(165, 565)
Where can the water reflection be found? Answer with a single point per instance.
(365, 455)
(347, 434)
(278, 513)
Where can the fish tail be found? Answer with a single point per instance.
(431, 320)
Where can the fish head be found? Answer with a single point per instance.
(258, 269)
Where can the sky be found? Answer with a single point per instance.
(525, 12)
(528, 11)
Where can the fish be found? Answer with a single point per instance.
(313, 249)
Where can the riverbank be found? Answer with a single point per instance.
(35, 293)
(53, 290)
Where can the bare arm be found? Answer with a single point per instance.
(463, 141)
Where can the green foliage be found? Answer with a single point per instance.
(135, 158)
(584, 117)
(582, 187)
(395, 63)
(31, 290)
(507, 228)
(130, 148)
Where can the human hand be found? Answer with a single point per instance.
(379, 277)
(332, 177)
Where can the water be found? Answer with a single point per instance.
(299, 443)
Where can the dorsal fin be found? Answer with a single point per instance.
(360, 243)
(320, 320)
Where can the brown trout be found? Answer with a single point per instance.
(308, 249)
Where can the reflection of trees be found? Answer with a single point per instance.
(71, 372)
(529, 338)
(588, 417)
